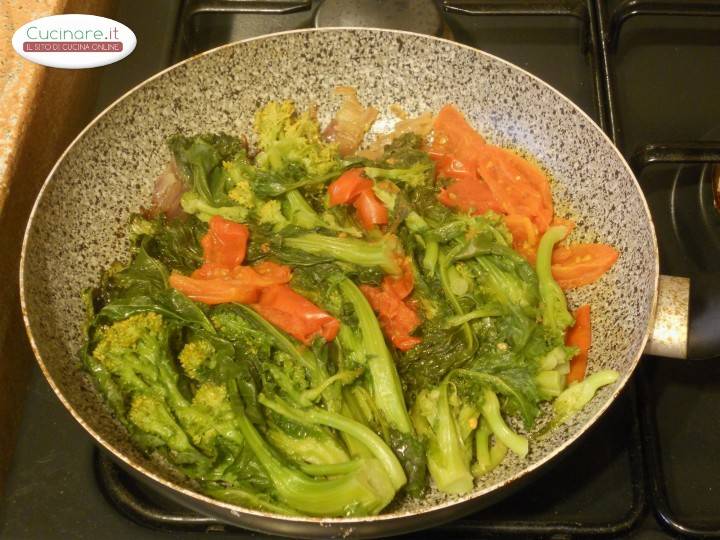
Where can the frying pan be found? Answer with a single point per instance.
(77, 226)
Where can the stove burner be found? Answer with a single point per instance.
(422, 16)
(695, 212)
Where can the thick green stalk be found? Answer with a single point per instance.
(350, 250)
(386, 387)
(362, 433)
(447, 459)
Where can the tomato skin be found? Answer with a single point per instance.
(348, 186)
(403, 285)
(518, 185)
(487, 177)
(214, 291)
(260, 275)
(454, 135)
(353, 187)
(295, 314)
(278, 273)
(225, 243)
(524, 234)
(370, 210)
(581, 264)
(468, 193)
(580, 336)
(398, 318)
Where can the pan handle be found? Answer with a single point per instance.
(687, 318)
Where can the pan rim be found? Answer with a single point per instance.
(349, 521)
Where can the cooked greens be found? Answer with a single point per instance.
(369, 335)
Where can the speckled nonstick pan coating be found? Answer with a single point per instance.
(77, 227)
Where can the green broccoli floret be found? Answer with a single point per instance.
(192, 203)
(212, 167)
(271, 121)
(211, 416)
(292, 150)
(242, 193)
(270, 213)
(234, 327)
(288, 137)
(151, 415)
(418, 174)
(212, 397)
(128, 349)
(139, 226)
(196, 359)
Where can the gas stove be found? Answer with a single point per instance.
(647, 72)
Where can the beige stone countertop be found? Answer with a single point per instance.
(41, 110)
(21, 81)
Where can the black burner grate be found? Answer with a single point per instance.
(580, 509)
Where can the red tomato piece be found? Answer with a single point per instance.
(295, 314)
(214, 291)
(403, 285)
(519, 186)
(370, 210)
(581, 264)
(524, 234)
(580, 336)
(397, 319)
(454, 135)
(348, 186)
(225, 243)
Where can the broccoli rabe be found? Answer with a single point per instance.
(270, 213)
(462, 409)
(256, 418)
(192, 203)
(150, 414)
(127, 351)
(487, 455)
(446, 424)
(578, 394)
(415, 175)
(196, 359)
(367, 345)
(291, 150)
(363, 491)
(555, 314)
(174, 242)
(217, 174)
(380, 253)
